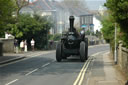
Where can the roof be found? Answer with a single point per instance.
(46, 5)
(40, 5)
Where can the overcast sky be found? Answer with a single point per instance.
(92, 4)
(95, 4)
(95, 0)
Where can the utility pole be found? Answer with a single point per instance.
(115, 52)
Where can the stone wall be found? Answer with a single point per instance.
(8, 45)
(123, 58)
(1, 48)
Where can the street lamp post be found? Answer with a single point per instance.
(115, 52)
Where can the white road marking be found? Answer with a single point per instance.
(12, 82)
(45, 65)
(75, 83)
(31, 72)
(81, 75)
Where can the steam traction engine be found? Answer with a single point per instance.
(72, 43)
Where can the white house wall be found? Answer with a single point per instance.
(97, 24)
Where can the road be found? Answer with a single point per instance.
(44, 70)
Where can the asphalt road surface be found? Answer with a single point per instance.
(44, 70)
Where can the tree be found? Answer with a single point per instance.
(6, 9)
(108, 28)
(20, 4)
(28, 27)
(119, 11)
(55, 37)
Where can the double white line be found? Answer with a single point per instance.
(80, 77)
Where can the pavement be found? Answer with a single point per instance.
(103, 71)
(11, 57)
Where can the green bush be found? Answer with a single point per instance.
(28, 27)
(108, 30)
(55, 37)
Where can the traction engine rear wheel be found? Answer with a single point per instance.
(82, 51)
(86, 48)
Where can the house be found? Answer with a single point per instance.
(86, 21)
(42, 8)
(59, 12)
